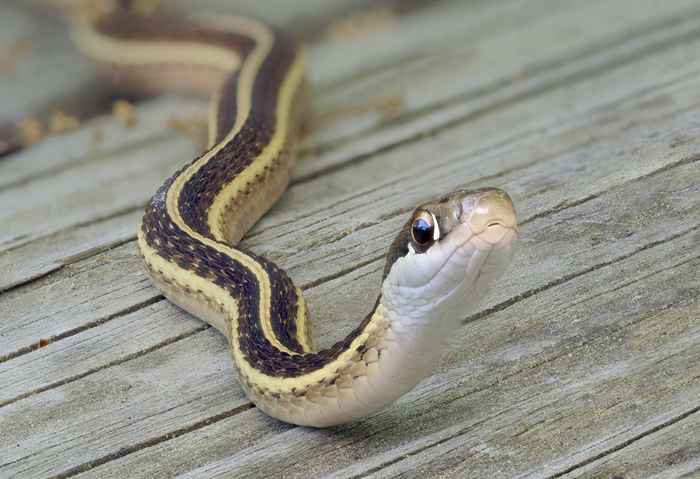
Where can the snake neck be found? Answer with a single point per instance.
(418, 333)
(392, 353)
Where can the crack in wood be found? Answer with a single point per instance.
(626, 443)
(395, 460)
(74, 471)
(72, 332)
(67, 261)
(342, 272)
(88, 158)
(110, 364)
(559, 281)
(570, 204)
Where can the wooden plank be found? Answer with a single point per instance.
(673, 451)
(509, 375)
(95, 348)
(120, 181)
(36, 178)
(79, 297)
(51, 253)
(76, 150)
(498, 126)
(570, 225)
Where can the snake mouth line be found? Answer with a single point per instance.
(498, 235)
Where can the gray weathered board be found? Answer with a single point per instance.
(584, 362)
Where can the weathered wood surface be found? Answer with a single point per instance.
(584, 363)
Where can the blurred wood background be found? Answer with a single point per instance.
(584, 362)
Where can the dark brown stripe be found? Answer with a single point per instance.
(227, 108)
(125, 26)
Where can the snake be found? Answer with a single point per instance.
(441, 263)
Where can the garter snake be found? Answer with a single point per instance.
(441, 262)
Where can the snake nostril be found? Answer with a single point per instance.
(489, 208)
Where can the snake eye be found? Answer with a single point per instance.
(423, 228)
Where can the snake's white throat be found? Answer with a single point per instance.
(428, 295)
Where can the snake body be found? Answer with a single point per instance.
(440, 263)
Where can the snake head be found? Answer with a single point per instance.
(449, 253)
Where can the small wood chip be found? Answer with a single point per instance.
(361, 23)
(194, 127)
(98, 135)
(31, 130)
(144, 7)
(125, 113)
(62, 122)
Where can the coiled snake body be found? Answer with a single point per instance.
(440, 263)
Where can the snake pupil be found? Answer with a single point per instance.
(422, 231)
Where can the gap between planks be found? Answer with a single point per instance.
(627, 443)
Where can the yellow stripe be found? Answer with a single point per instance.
(267, 156)
(214, 117)
(303, 325)
(134, 52)
(264, 39)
